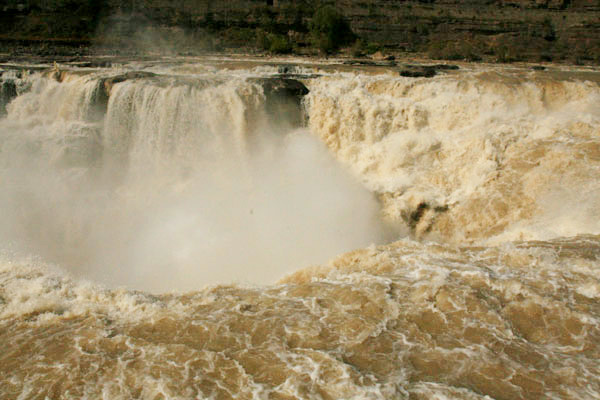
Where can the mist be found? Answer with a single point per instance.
(133, 33)
(175, 189)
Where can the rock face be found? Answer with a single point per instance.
(283, 99)
(283, 88)
(505, 30)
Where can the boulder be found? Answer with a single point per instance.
(283, 88)
(424, 71)
(445, 67)
(417, 71)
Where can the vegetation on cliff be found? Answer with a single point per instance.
(496, 30)
(329, 30)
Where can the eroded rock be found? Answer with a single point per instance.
(284, 99)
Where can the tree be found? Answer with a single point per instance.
(329, 30)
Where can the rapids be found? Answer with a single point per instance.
(220, 230)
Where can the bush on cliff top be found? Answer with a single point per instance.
(274, 43)
(329, 30)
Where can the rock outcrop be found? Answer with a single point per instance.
(283, 99)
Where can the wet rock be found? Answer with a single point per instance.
(283, 88)
(416, 215)
(109, 82)
(98, 102)
(418, 72)
(57, 74)
(370, 63)
(8, 91)
(445, 67)
(421, 218)
(284, 99)
(425, 71)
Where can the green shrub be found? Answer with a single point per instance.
(373, 48)
(279, 44)
(262, 40)
(329, 30)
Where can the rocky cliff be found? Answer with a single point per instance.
(496, 30)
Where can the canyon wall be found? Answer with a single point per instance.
(499, 30)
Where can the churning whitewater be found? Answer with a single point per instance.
(230, 229)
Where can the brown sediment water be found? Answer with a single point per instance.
(169, 232)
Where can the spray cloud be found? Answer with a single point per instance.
(178, 186)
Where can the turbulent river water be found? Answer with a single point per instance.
(225, 229)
